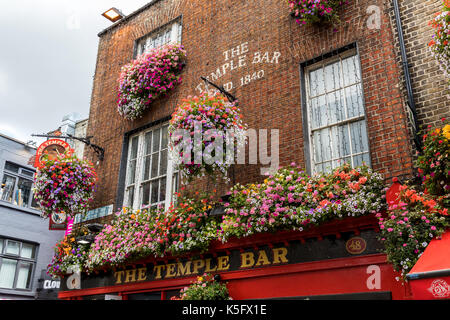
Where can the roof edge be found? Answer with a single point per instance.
(128, 17)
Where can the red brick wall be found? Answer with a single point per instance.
(274, 102)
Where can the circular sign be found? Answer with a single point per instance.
(52, 148)
(59, 217)
(356, 245)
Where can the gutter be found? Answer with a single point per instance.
(411, 103)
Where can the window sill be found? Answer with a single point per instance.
(26, 210)
(17, 292)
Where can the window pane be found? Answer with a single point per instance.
(355, 105)
(327, 166)
(34, 203)
(351, 70)
(12, 247)
(156, 139)
(1, 246)
(134, 148)
(7, 273)
(317, 84)
(155, 164)
(162, 190)
(318, 112)
(24, 192)
(12, 167)
(323, 148)
(155, 191)
(27, 173)
(28, 251)
(24, 276)
(361, 159)
(130, 196)
(148, 143)
(336, 106)
(359, 137)
(146, 194)
(333, 77)
(146, 171)
(340, 141)
(7, 188)
(163, 163)
(132, 172)
(164, 137)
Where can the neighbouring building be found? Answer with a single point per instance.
(285, 76)
(26, 244)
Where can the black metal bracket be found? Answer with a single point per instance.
(229, 96)
(98, 150)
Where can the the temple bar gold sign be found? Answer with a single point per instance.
(237, 259)
(199, 266)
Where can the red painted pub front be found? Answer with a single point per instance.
(342, 259)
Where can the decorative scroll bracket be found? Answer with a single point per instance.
(229, 96)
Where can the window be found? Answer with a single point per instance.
(150, 179)
(17, 262)
(335, 112)
(16, 186)
(170, 33)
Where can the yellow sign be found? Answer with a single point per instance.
(200, 266)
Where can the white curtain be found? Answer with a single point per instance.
(23, 276)
(7, 273)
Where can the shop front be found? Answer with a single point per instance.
(338, 260)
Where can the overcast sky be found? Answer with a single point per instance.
(48, 51)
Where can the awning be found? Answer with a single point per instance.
(430, 277)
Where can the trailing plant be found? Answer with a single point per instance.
(202, 131)
(439, 46)
(154, 232)
(64, 185)
(409, 227)
(148, 77)
(316, 11)
(434, 162)
(205, 288)
(291, 199)
(68, 253)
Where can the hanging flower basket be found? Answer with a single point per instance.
(439, 46)
(149, 77)
(64, 185)
(68, 254)
(316, 12)
(204, 133)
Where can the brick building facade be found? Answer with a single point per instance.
(333, 95)
(430, 88)
(214, 32)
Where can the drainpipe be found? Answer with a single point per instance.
(411, 103)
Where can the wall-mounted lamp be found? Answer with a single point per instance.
(113, 14)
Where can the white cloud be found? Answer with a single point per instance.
(3, 83)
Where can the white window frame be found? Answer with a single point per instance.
(16, 176)
(175, 30)
(170, 175)
(322, 64)
(19, 260)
